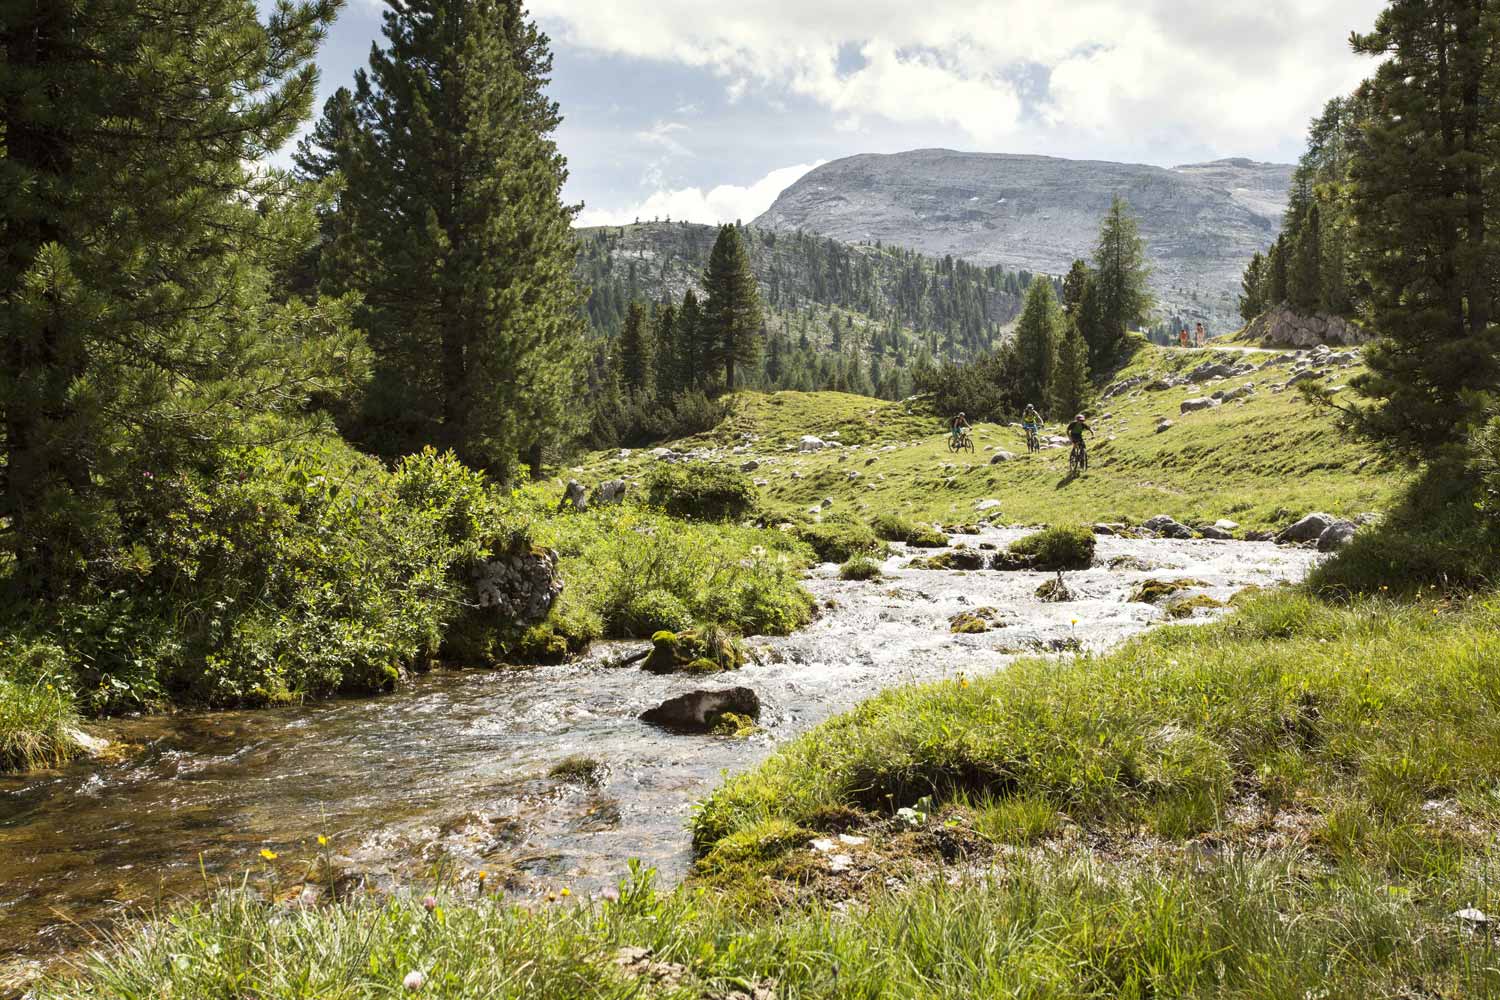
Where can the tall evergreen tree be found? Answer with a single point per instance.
(1304, 277)
(637, 351)
(665, 360)
(732, 315)
(467, 273)
(144, 254)
(1070, 374)
(1037, 332)
(1073, 285)
(690, 352)
(1276, 273)
(323, 158)
(1426, 195)
(1253, 288)
(1122, 273)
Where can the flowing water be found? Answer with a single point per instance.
(454, 769)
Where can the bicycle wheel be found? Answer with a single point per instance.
(968, 445)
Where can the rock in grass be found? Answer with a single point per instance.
(1152, 591)
(1309, 529)
(1337, 536)
(1167, 527)
(1164, 425)
(1201, 403)
(1215, 533)
(1001, 457)
(1224, 524)
(701, 711)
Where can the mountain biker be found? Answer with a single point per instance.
(959, 426)
(1031, 421)
(1075, 432)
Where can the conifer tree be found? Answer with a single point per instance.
(144, 253)
(732, 315)
(1122, 273)
(469, 256)
(690, 354)
(1253, 291)
(1073, 286)
(665, 360)
(1425, 194)
(637, 352)
(1304, 273)
(1276, 273)
(1037, 333)
(1070, 374)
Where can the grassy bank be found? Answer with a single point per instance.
(1297, 801)
(1263, 461)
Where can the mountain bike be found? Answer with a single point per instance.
(1033, 440)
(1078, 462)
(962, 441)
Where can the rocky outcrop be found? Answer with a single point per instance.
(574, 497)
(1201, 223)
(1194, 405)
(610, 492)
(1167, 527)
(519, 585)
(1309, 529)
(1336, 536)
(699, 711)
(1282, 327)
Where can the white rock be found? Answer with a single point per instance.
(822, 845)
(849, 840)
(984, 505)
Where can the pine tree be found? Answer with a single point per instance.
(637, 352)
(1070, 374)
(1253, 297)
(1122, 273)
(1425, 193)
(469, 254)
(1037, 332)
(731, 316)
(144, 253)
(1304, 277)
(323, 158)
(1276, 273)
(665, 360)
(1073, 286)
(690, 360)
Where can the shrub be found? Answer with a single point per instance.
(1057, 549)
(895, 528)
(860, 568)
(38, 722)
(701, 491)
(651, 612)
(840, 538)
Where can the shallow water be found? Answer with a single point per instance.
(454, 770)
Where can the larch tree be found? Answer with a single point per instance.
(1070, 373)
(1037, 333)
(144, 252)
(732, 313)
(468, 254)
(1122, 273)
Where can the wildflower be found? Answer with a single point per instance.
(610, 895)
(429, 903)
(268, 854)
(322, 840)
(566, 891)
(414, 981)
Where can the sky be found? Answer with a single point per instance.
(704, 111)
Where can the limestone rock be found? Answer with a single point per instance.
(1337, 536)
(1201, 403)
(1167, 527)
(520, 585)
(697, 711)
(1281, 327)
(574, 497)
(1309, 529)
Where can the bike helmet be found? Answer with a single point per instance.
(1079, 418)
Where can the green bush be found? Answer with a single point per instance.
(700, 491)
(840, 538)
(860, 568)
(1056, 549)
(37, 717)
(650, 612)
(895, 528)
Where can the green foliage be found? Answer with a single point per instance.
(895, 528)
(700, 651)
(1037, 333)
(1121, 273)
(1486, 450)
(1070, 388)
(38, 721)
(651, 612)
(1253, 286)
(731, 325)
(701, 491)
(145, 241)
(637, 352)
(1054, 549)
(464, 251)
(840, 538)
(860, 568)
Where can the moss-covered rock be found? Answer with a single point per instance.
(580, 769)
(860, 568)
(1154, 591)
(1184, 607)
(838, 539)
(975, 622)
(707, 652)
(957, 559)
(1054, 591)
(1056, 549)
(895, 528)
(733, 725)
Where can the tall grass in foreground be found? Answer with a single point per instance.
(38, 721)
(1046, 928)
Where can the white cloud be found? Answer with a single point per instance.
(1227, 77)
(725, 203)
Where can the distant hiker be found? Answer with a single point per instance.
(1182, 338)
(1202, 336)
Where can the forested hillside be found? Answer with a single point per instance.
(836, 316)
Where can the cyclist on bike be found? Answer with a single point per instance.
(959, 426)
(1075, 433)
(1031, 421)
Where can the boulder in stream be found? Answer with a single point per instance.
(1309, 529)
(1167, 527)
(699, 711)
